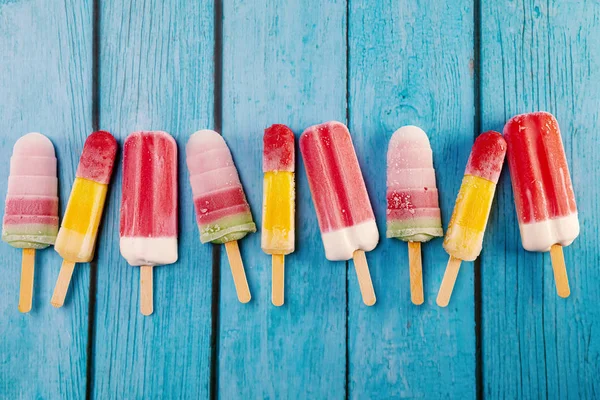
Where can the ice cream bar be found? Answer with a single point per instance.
(148, 228)
(464, 236)
(542, 188)
(413, 211)
(541, 182)
(278, 202)
(76, 238)
(222, 212)
(77, 235)
(31, 212)
(344, 212)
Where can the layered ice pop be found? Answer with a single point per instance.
(338, 190)
(222, 212)
(31, 211)
(542, 188)
(148, 228)
(413, 211)
(76, 238)
(464, 236)
(278, 202)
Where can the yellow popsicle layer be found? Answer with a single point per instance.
(464, 236)
(77, 235)
(278, 212)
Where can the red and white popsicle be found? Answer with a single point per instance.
(149, 206)
(344, 212)
(542, 188)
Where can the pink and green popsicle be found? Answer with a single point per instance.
(31, 212)
(413, 211)
(222, 212)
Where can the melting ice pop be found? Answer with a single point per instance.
(542, 187)
(148, 228)
(278, 202)
(413, 211)
(31, 213)
(464, 237)
(222, 212)
(77, 235)
(344, 212)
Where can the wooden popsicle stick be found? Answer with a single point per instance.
(27, 272)
(448, 281)
(364, 277)
(62, 283)
(146, 290)
(560, 271)
(416, 273)
(278, 278)
(237, 270)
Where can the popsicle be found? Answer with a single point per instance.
(31, 213)
(544, 197)
(413, 211)
(278, 202)
(344, 212)
(222, 212)
(464, 236)
(148, 228)
(76, 238)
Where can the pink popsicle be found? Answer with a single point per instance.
(344, 212)
(338, 190)
(539, 172)
(148, 226)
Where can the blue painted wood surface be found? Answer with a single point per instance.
(542, 56)
(411, 64)
(45, 86)
(453, 68)
(279, 65)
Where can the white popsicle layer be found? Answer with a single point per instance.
(149, 251)
(341, 244)
(540, 236)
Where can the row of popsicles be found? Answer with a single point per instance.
(148, 227)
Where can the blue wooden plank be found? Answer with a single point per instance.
(156, 73)
(46, 81)
(542, 56)
(284, 62)
(411, 63)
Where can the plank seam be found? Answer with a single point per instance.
(479, 383)
(347, 316)
(93, 289)
(216, 250)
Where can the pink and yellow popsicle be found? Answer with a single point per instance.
(278, 202)
(464, 236)
(76, 239)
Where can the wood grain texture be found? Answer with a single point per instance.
(45, 82)
(542, 56)
(284, 62)
(411, 63)
(156, 73)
